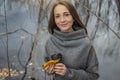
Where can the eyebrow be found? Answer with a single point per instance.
(63, 13)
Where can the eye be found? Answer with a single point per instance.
(67, 14)
(57, 16)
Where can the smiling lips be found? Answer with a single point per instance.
(63, 25)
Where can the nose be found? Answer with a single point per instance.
(62, 19)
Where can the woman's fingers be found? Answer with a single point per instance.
(60, 69)
(49, 68)
(59, 64)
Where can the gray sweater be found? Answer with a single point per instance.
(78, 55)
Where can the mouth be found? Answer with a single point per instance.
(63, 25)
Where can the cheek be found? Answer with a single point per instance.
(56, 22)
(71, 22)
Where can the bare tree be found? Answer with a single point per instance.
(118, 5)
(34, 52)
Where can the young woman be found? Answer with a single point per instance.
(69, 38)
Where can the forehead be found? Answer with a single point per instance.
(60, 9)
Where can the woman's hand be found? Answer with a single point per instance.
(60, 69)
(49, 68)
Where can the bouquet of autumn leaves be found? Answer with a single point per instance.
(55, 58)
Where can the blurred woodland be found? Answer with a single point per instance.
(23, 33)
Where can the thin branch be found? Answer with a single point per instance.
(30, 57)
(88, 13)
(103, 22)
(118, 5)
(19, 55)
(76, 4)
(46, 9)
(8, 64)
(21, 29)
(34, 52)
(99, 5)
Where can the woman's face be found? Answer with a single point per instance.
(63, 18)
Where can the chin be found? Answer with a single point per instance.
(64, 30)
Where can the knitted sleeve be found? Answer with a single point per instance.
(91, 71)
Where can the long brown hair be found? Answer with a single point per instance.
(73, 12)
